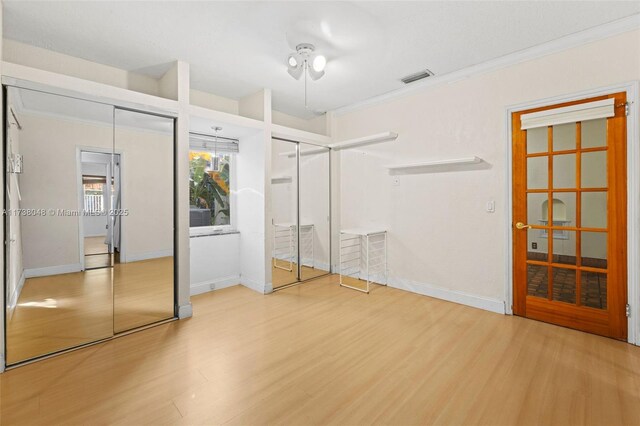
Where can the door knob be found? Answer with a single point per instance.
(521, 225)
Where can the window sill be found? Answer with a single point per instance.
(196, 234)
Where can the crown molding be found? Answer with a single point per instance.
(570, 41)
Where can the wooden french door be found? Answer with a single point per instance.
(570, 216)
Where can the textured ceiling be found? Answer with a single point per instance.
(236, 48)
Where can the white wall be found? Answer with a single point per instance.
(215, 262)
(314, 125)
(441, 240)
(37, 57)
(250, 163)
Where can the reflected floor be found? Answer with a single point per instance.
(63, 311)
(594, 286)
(95, 245)
(281, 277)
(96, 253)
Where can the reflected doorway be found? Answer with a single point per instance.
(100, 193)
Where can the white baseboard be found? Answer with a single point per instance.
(480, 302)
(185, 311)
(52, 270)
(135, 257)
(216, 284)
(253, 285)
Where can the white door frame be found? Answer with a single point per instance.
(633, 195)
(80, 194)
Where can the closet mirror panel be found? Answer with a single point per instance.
(58, 267)
(314, 211)
(284, 205)
(142, 223)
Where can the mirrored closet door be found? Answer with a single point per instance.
(314, 211)
(89, 225)
(56, 298)
(284, 205)
(300, 205)
(142, 220)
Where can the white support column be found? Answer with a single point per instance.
(180, 75)
(268, 228)
(335, 195)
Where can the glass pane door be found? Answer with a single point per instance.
(567, 209)
(570, 222)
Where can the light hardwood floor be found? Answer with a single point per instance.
(320, 354)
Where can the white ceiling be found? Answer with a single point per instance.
(236, 48)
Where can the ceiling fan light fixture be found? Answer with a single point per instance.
(319, 62)
(292, 61)
(296, 72)
(315, 75)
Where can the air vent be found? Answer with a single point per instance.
(417, 76)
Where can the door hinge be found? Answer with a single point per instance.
(628, 310)
(626, 107)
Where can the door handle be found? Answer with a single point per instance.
(520, 225)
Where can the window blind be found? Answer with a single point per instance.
(569, 114)
(198, 141)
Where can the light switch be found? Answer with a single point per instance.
(491, 206)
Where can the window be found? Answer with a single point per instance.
(210, 186)
(93, 194)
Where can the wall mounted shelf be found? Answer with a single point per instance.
(367, 140)
(292, 154)
(435, 163)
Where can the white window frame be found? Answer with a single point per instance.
(198, 231)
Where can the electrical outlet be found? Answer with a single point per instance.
(534, 246)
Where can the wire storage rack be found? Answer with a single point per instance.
(363, 256)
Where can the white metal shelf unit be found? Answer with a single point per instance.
(285, 247)
(363, 256)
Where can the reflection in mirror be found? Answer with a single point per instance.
(142, 222)
(56, 200)
(284, 204)
(314, 211)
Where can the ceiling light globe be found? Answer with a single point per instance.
(319, 62)
(292, 61)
